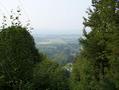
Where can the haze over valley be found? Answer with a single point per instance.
(61, 48)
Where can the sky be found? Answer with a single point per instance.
(50, 16)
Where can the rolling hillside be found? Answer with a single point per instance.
(59, 48)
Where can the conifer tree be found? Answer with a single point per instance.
(96, 47)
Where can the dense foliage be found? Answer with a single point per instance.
(18, 56)
(50, 76)
(23, 68)
(96, 67)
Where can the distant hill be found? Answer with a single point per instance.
(59, 48)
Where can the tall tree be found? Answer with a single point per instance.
(18, 56)
(113, 46)
(96, 47)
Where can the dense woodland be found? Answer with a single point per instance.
(96, 67)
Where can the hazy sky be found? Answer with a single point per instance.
(51, 16)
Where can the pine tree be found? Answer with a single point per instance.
(113, 47)
(97, 46)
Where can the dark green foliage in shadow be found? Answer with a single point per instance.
(50, 76)
(18, 56)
